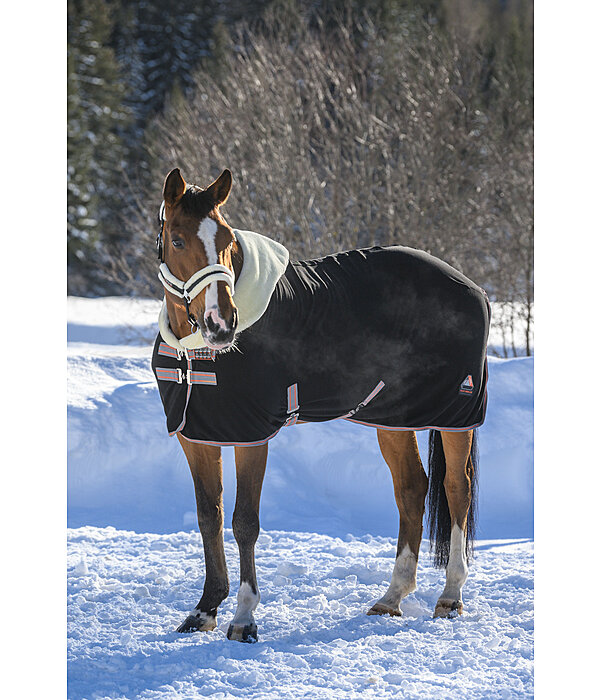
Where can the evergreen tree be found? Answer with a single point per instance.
(96, 148)
(159, 43)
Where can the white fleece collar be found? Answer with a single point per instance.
(265, 261)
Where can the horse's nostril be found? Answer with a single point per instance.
(211, 325)
(216, 325)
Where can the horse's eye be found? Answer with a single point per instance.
(178, 243)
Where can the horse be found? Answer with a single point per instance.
(249, 343)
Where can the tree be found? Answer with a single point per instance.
(96, 149)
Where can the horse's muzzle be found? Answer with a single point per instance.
(218, 334)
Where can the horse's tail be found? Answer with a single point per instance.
(439, 512)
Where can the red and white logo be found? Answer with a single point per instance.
(467, 385)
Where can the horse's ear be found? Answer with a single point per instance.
(174, 187)
(221, 187)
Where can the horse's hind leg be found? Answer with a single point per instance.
(457, 487)
(250, 464)
(207, 472)
(400, 451)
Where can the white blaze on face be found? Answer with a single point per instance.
(207, 232)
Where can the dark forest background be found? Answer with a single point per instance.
(345, 123)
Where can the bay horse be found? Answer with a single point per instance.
(250, 342)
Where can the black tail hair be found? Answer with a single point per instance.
(439, 513)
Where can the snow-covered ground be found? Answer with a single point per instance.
(128, 592)
(326, 550)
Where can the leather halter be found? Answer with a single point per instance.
(190, 288)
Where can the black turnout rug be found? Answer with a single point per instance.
(389, 337)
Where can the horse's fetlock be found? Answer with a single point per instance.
(248, 593)
(222, 591)
(212, 598)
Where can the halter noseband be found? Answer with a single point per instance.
(189, 289)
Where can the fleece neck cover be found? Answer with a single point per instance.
(265, 262)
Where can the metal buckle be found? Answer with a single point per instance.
(292, 418)
(355, 410)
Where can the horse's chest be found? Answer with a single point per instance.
(246, 395)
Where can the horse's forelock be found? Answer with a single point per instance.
(196, 202)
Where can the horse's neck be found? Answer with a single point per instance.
(178, 319)
(237, 259)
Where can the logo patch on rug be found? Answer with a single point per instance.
(467, 385)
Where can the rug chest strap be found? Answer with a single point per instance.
(191, 377)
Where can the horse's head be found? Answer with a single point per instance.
(200, 257)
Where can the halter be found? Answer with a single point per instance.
(188, 289)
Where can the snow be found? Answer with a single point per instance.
(325, 553)
(127, 592)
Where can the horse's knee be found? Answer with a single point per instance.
(210, 520)
(246, 525)
(221, 589)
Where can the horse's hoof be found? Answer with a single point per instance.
(448, 608)
(382, 609)
(198, 622)
(243, 633)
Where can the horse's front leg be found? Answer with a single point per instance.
(250, 464)
(207, 472)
